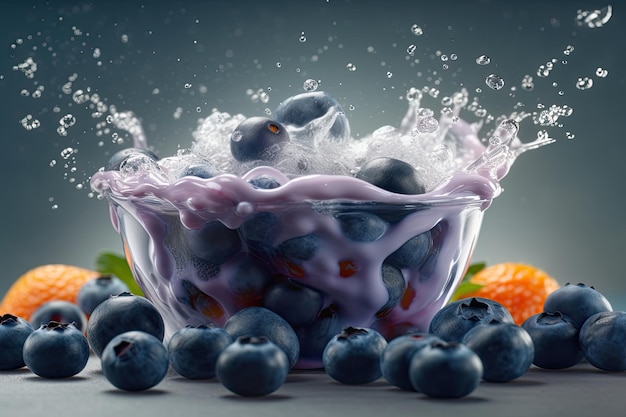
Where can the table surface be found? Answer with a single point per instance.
(578, 391)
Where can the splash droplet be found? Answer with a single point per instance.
(483, 60)
(584, 83)
(495, 82)
(310, 85)
(351, 67)
(601, 72)
(302, 37)
(417, 30)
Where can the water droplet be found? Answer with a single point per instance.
(310, 85)
(584, 83)
(444, 57)
(568, 50)
(446, 101)
(124, 38)
(417, 30)
(187, 85)
(302, 37)
(413, 94)
(351, 67)
(495, 82)
(411, 49)
(351, 107)
(389, 74)
(527, 83)
(96, 53)
(427, 124)
(596, 18)
(483, 60)
(80, 97)
(569, 135)
(454, 57)
(53, 163)
(236, 136)
(600, 72)
(278, 65)
(67, 152)
(68, 120)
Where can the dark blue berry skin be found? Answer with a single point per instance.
(413, 252)
(297, 304)
(392, 175)
(119, 314)
(258, 138)
(578, 302)
(114, 163)
(505, 349)
(361, 226)
(260, 321)
(260, 231)
(97, 290)
(13, 333)
(61, 312)
(264, 183)
(556, 340)
(213, 243)
(135, 361)
(457, 318)
(602, 340)
(445, 370)
(353, 356)
(252, 366)
(314, 337)
(194, 350)
(299, 248)
(395, 360)
(394, 283)
(56, 350)
(200, 171)
(304, 108)
(250, 277)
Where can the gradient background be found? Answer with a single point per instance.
(561, 208)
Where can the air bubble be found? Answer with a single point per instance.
(351, 67)
(584, 83)
(600, 72)
(302, 37)
(411, 49)
(310, 85)
(67, 121)
(389, 74)
(417, 30)
(427, 124)
(568, 50)
(495, 82)
(596, 18)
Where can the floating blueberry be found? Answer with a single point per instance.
(260, 321)
(394, 282)
(445, 370)
(602, 340)
(119, 314)
(297, 304)
(13, 333)
(258, 138)
(200, 171)
(353, 356)
(56, 350)
(264, 182)
(396, 358)
(60, 311)
(114, 163)
(194, 350)
(213, 242)
(457, 318)
(252, 366)
(135, 361)
(361, 226)
(505, 349)
(392, 175)
(305, 108)
(578, 302)
(299, 248)
(556, 340)
(413, 252)
(97, 290)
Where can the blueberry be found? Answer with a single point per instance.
(264, 182)
(194, 350)
(115, 162)
(392, 175)
(353, 356)
(13, 333)
(299, 305)
(396, 358)
(602, 340)
(260, 231)
(445, 370)
(250, 277)
(259, 321)
(200, 170)
(314, 337)
(361, 226)
(59, 311)
(305, 108)
(135, 361)
(394, 283)
(213, 242)
(578, 302)
(556, 340)
(299, 248)
(413, 252)
(119, 314)
(252, 366)
(505, 349)
(457, 318)
(258, 138)
(97, 290)
(56, 350)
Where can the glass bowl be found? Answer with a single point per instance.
(325, 252)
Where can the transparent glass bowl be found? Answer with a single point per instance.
(323, 264)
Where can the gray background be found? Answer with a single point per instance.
(561, 206)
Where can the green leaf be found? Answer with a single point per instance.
(114, 264)
(473, 269)
(466, 286)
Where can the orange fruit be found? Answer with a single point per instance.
(42, 284)
(521, 289)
